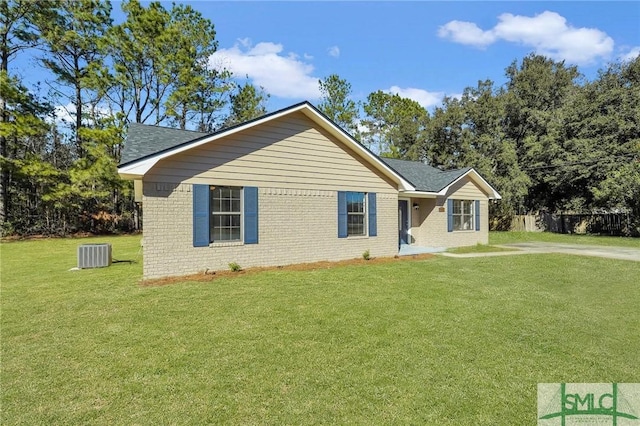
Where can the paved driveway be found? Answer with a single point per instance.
(624, 253)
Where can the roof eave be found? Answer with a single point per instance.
(419, 194)
(137, 169)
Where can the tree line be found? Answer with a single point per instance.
(60, 141)
(547, 139)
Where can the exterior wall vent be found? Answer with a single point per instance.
(94, 255)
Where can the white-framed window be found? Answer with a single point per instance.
(356, 214)
(463, 215)
(226, 213)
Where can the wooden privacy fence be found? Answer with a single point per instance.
(525, 222)
(617, 224)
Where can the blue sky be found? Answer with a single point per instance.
(421, 50)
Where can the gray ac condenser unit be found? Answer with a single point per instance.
(94, 255)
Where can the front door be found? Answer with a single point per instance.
(403, 221)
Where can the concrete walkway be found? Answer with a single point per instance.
(407, 250)
(609, 252)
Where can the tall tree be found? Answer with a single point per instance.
(16, 34)
(395, 125)
(603, 132)
(27, 163)
(537, 90)
(488, 150)
(161, 71)
(71, 33)
(336, 104)
(444, 142)
(199, 90)
(140, 78)
(247, 103)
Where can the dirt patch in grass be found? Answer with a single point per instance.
(212, 275)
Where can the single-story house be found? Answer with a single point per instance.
(290, 187)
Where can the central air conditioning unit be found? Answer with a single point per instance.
(94, 255)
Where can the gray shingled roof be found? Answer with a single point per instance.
(424, 177)
(143, 140)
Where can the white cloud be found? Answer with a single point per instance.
(245, 42)
(631, 54)
(282, 75)
(466, 33)
(66, 114)
(334, 51)
(548, 33)
(423, 97)
(62, 114)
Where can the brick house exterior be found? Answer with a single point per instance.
(289, 187)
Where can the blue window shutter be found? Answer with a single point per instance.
(200, 215)
(250, 215)
(477, 215)
(450, 215)
(342, 214)
(373, 223)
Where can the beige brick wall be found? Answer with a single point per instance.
(429, 222)
(295, 226)
(429, 225)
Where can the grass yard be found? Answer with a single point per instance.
(479, 248)
(436, 341)
(549, 237)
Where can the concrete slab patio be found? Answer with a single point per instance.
(408, 250)
(609, 252)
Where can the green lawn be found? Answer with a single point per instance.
(478, 248)
(519, 237)
(436, 341)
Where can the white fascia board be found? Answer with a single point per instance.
(493, 194)
(358, 148)
(418, 194)
(138, 169)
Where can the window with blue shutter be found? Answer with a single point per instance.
(342, 214)
(250, 215)
(219, 217)
(450, 215)
(373, 222)
(357, 214)
(200, 215)
(477, 215)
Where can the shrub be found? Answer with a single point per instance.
(234, 267)
(366, 255)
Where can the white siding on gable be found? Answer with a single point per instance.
(466, 189)
(290, 152)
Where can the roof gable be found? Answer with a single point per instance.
(424, 177)
(431, 180)
(136, 168)
(146, 145)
